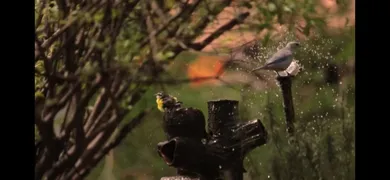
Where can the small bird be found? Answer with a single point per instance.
(282, 59)
(180, 121)
(165, 101)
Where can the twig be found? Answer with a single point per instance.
(39, 52)
(66, 115)
(98, 119)
(176, 81)
(70, 22)
(40, 14)
(165, 25)
(198, 28)
(219, 31)
(94, 146)
(80, 108)
(97, 108)
(126, 129)
(150, 28)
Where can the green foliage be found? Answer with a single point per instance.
(164, 55)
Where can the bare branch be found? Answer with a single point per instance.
(103, 104)
(126, 129)
(155, 7)
(94, 146)
(66, 115)
(202, 23)
(81, 107)
(61, 102)
(152, 37)
(190, 9)
(77, 124)
(39, 52)
(220, 31)
(99, 104)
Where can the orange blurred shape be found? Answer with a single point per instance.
(204, 67)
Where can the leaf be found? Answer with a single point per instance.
(159, 55)
(164, 55)
(39, 66)
(98, 17)
(287, 9)
(271, 7)
(169, 54)
(39, 95)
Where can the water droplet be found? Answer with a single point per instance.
(204, 141)
(268, 176)
(220, 167)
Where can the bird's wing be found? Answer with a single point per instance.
(279, 56)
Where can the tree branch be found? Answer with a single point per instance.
(126, 129)
(97, 108)
(71, 20)
(40, 14)
(165, 25)
(220, 31)
(81, 106)
(150, 28)
(202, 23)
(94, 146)
(177, 81)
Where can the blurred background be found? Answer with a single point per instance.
(323, 92)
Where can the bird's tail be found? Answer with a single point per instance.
(263, 67)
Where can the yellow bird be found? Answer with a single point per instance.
(179, 121)
(165, 101)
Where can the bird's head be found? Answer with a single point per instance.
(293, 45)
(160, 95)
(166, 101)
